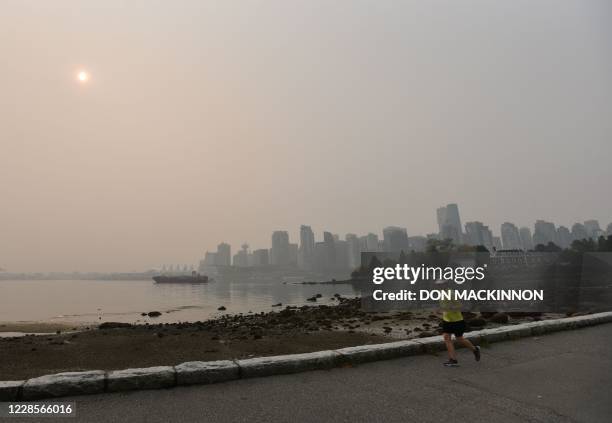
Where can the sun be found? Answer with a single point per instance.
(82, 76)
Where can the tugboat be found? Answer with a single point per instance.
(194, 278)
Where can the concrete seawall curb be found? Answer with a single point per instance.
(197, 372)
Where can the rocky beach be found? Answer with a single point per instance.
(115, 345)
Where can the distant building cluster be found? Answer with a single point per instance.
(331, 253)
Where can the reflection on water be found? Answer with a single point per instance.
(87, 301)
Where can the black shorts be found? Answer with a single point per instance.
(456, 328)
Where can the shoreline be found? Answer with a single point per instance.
(45, 327)
(290, 330)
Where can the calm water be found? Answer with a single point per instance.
(92, 301)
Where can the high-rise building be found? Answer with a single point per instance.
(609, 229)
(395, 239)
(224, 255)
(322, 257)
(511, 239)
(210, 259)
(564, 237)
(354, 252)
(544, 232)
(330, 242)
(341, 254)
(260, 257)
(306, 251)
(477, 233)
(579, 232)
(369, 242)
(593, 229)
(526, 239)
(449, 223)
(279, 253)
(241, 258)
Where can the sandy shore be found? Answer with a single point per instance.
(37, 327)
(287, 331)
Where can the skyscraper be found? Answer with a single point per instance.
(449, 223)
(330, 243)
(261, 257)
(322, 256)
(241, 258)
(593, 229)
(341, 255)
(478, 234)
(369, 242)
(564, 237)
(306, 251)
(510, 236)
(224, 255)
(279, 253)
(544, 232)
(579, 232)
(395, 239)
(354, 252)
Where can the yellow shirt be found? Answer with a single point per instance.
(452, 316)
(451, 310)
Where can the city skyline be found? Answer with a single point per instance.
(472, 232)
(336, 252)
(294, 238)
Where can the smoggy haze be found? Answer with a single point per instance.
(222, 121)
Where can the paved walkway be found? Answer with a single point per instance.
(562, 377)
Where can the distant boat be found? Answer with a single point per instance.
(194, 278)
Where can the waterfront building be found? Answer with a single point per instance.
(544, 232)
(279, 253)
(449, 223)
(395, 239)
(510, 236)
(224, 255)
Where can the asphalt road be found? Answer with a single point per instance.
(563, 377)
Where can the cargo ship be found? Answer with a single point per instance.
(193, 278)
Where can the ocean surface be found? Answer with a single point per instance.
(96, 301)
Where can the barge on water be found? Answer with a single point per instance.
(193, 278)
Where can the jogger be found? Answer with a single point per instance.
(454, 324)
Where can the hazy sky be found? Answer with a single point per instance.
(219, 121)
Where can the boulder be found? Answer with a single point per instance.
(222, 308)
